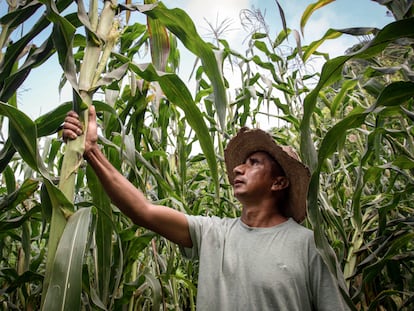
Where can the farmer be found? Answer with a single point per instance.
(264, 260)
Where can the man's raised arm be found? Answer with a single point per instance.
(163, 220)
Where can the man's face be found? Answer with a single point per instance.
(255, 177)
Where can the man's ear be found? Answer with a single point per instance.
(280, 182)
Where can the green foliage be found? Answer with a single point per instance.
(356, 180)
(352, 122)
(65, 284)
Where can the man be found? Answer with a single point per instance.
(264, 260)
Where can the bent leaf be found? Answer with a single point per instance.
(176, 91)
(65, 287)
(49, 123)
(179, 23)
(22, 132)
(103, 234)
(309, 11)
(330, 34)
(14, 198)
(396, 94)
(332, 71)
(159, 42)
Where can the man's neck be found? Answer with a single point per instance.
(261, 216)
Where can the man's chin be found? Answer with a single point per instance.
(238, 193)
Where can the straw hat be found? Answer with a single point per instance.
(248, 141)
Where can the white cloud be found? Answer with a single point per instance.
(215, 13)
(211, 10)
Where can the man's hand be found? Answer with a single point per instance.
(72, 128)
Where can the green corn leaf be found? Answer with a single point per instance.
(23, 135)
(18, 281)
(19, 195)
(65, 287)
(132, 39)
(393, 245)
(281, 37)
(332, 72)
(330, 34)
(36, 57)
(18, 222)
(396, 94)
(359, 31)
(49, 123)
(63, 36)
(177, 92)
(14, 51)
(159, 41)
(9, 179)
(373, 87)
(156, 289)
(17, 17)
(26, 243)
(336, 33)
(337, 133)
(282, 16)
(402, 162)
(179, 23)
(58, 198)
(408, 113)
(320, 238)
(47, 206)
(6, 154)
(258, 36)
(346, 86)
(103, 234)
(310, 9)
(137, 244)
(262, 47)
(61, 208)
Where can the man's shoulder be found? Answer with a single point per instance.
(299, 232)
(293, 225)
(211, 220)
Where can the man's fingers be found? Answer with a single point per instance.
(73, 124)
(92, 114)
(70, 131)
(72, 127)
(72, 114)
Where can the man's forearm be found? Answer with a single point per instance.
(166, 221)
(122, 193)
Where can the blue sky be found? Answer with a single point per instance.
(39, 92)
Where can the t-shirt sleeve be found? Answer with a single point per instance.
(325, 286)
(202, 228)
(194, 226)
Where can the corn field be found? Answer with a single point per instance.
(64, 246)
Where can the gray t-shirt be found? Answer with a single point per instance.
(245, 268)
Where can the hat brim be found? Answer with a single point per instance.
(248, 141)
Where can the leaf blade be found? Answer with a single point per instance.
(64, 291)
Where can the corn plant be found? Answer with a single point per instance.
(87, 72)
(352, 123)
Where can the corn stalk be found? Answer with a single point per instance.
(102, 37)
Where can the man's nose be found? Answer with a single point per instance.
(238, 169)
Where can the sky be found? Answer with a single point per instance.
(39, 93)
